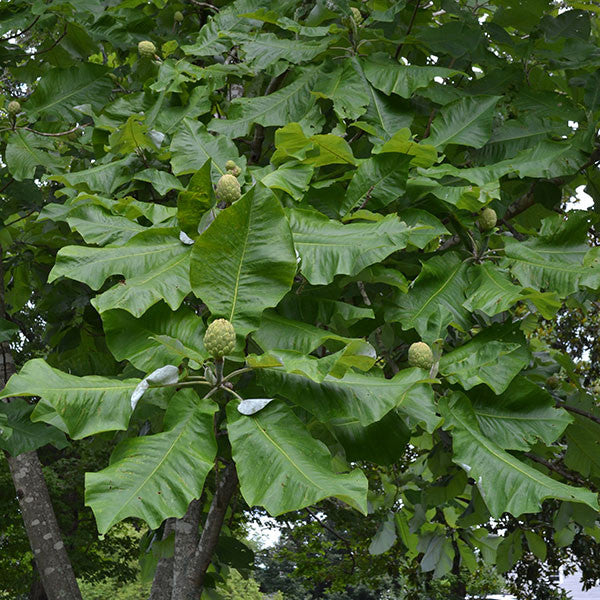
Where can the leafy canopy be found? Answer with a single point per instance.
(366, 152)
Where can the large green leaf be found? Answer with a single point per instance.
(102, 178)
(84, 405)
(343, 85)
(435, 299)
(25, 436)
(520, 416)
(382, 442)
(97, 225)
(229, 21)
(294, 470)
(155, 477)
(25, 152)
(582, 436)
(154, 263)
(264, 49)
(390, 76)
(291, 103)
(554, 260)
(377, 182)
(159, 337)
(493, 357)
(364, 397)
(328, 248)
(60, 90)
(192, 146)
(245, 261)
(522, 488)
(277, 332)
(467, 121)
(491, 291)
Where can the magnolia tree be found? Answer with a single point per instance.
(272, 244)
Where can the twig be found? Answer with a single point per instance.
(19, 219)
(12, 35)
(59, 133)
(236, 373)
(205, 5)
(451, 241)
(259, 130)
(6, 184)
(54, 44)
(378, 337)
(516, 234)
(521, 204)
(580, 411)
(337, 535)
(557, 469)
(410, 25)
(232, 392)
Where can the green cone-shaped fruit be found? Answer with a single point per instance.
(147, 49)
(178, 16)
(420, 355)
(219, 339)
(553, 382)
(487, 219)
(13, 107)
(228, 189)
(356, 15)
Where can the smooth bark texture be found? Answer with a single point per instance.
(162, 584)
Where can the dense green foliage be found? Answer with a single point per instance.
(368, 141)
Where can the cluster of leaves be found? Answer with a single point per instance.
(366, 151)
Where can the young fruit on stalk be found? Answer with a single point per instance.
(228, 189)
(356, 15)
(420, 355)
(13, 108)
(219, 339)
(147, 49)
(487, 219)
(178, 16)
(232, 168)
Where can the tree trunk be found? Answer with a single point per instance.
(186, 540)
(183, 577)
(51, 559)
(194, 580)
(49, 552)
(162, 584)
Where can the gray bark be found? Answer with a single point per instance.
(162, 584)
(196, 569)
(186, 540)
(42, 529)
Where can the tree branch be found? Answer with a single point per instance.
(380, 345)
(186, 541)
(337, 535)
(162, 584)
(12, 35)
(259, 130)
(59, 133)
(557, 469)
(410, 26)
(580, 411)
(202, 558)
